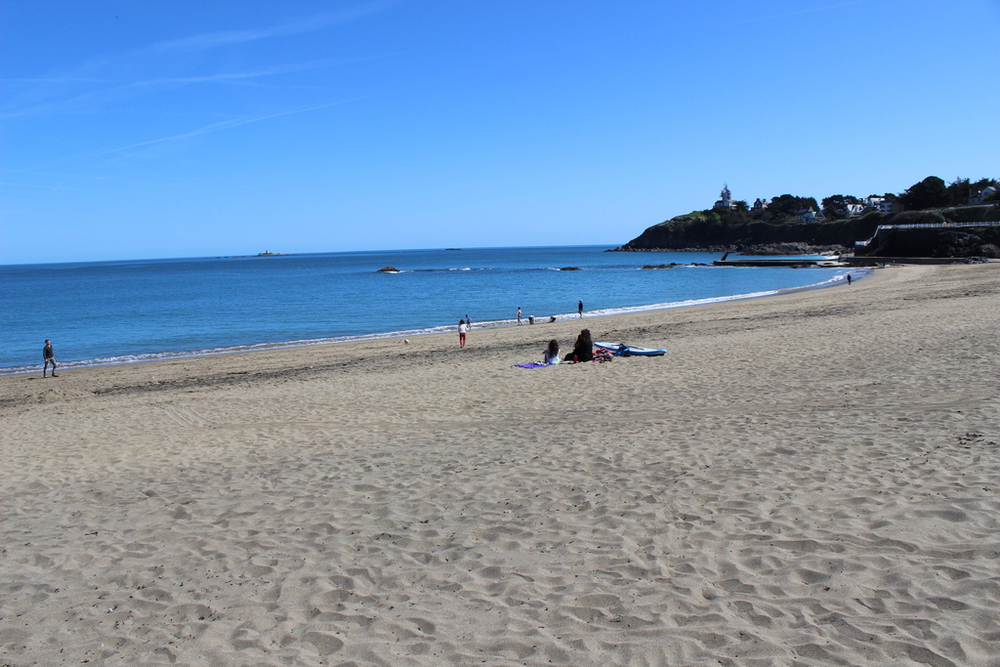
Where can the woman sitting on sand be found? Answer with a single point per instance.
(584, 348)
(551, 354)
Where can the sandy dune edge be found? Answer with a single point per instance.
(805, 479)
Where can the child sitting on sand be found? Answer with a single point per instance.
(551, 354)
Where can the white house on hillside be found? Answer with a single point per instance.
(883, 204)
(809, 215)
(982, 194)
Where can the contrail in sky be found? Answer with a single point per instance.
(226, 124)
(801, 11)
(213, 40)
(115, 69)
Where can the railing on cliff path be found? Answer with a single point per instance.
(924, 225)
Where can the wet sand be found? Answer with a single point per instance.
(806, 479)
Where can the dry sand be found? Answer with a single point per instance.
(809, 479)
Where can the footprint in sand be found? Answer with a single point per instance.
(185, 416)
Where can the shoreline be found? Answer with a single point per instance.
(804, 478)
(175, 372)
(341, 340)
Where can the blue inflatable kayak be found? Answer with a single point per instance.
(623, 350)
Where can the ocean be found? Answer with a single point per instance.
(128, 311)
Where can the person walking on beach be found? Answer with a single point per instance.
(579, 308)
(848, 278)
(519, 316)
(49, 357)
(462, 329)
(468, 320)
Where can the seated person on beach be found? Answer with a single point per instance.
(584, 348)
(551, 354)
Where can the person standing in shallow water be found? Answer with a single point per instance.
(519, 316)
(579, 308)
(48, 357)
(462, 329)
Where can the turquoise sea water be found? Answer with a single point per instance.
(124, 311)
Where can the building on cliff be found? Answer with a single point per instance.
(884, 204)
(809, 215)
(725, 199)
(982, 194)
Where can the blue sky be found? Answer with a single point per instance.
(183, 129)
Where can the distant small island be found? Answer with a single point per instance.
(930, 219)
(388, 269)
(268, 253)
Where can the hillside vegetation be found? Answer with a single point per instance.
(777, 229)
(722, 229)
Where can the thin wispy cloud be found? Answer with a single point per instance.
(129, 70)
(123, 91)
(62, 79)
(48, 185)
(225, 125)
(213, 40)
(810, 10)
(226, 77)
(115, 92)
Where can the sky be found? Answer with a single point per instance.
(133, 130)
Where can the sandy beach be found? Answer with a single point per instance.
(806, 479)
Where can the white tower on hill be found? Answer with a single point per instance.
(725, 198)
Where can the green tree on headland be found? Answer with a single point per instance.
(933, 193)
(777, 224)
(835, 206)
(786, 206)
(963, 189)
(928, 193)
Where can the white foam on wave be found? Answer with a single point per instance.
(837, 279)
